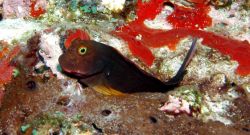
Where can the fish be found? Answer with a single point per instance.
(107, 71)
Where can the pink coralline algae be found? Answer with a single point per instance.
(176, 106)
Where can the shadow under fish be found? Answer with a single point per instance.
(107, 71)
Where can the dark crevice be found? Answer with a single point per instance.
(170, 4)
(1, 17)
(61, 43)
(246, 129)
(97, 128)
(233, 84)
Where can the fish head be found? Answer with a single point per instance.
(82, 59)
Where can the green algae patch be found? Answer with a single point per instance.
(191, 94)
(57, 122)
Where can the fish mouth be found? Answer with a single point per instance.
(75, 74)
(67, 71)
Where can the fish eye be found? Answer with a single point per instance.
(82, 50)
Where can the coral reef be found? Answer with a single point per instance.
(213, 98)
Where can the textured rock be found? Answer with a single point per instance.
(15, 8)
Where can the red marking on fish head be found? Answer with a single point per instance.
(77, 34)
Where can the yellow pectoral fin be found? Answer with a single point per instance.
(108, 91)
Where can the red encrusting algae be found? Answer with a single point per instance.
(6, 69)
(193, 18)
(36, 13)
(148, 10)
(74, 35)
(145, 10)
(237, 50)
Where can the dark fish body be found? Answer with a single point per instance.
(103, 68)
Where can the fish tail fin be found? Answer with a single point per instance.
(182, 70)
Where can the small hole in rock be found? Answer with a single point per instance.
(31, 85)
(106, 112)
(152, 119)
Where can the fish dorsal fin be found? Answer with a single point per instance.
(182, 71)
(107, 90)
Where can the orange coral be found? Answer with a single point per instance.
(4, 51)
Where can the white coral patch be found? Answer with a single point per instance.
(114, 5)
(217, 108)
(50, 51)
(18, 29)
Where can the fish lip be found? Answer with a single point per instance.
(70, 73)
(74, 74)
